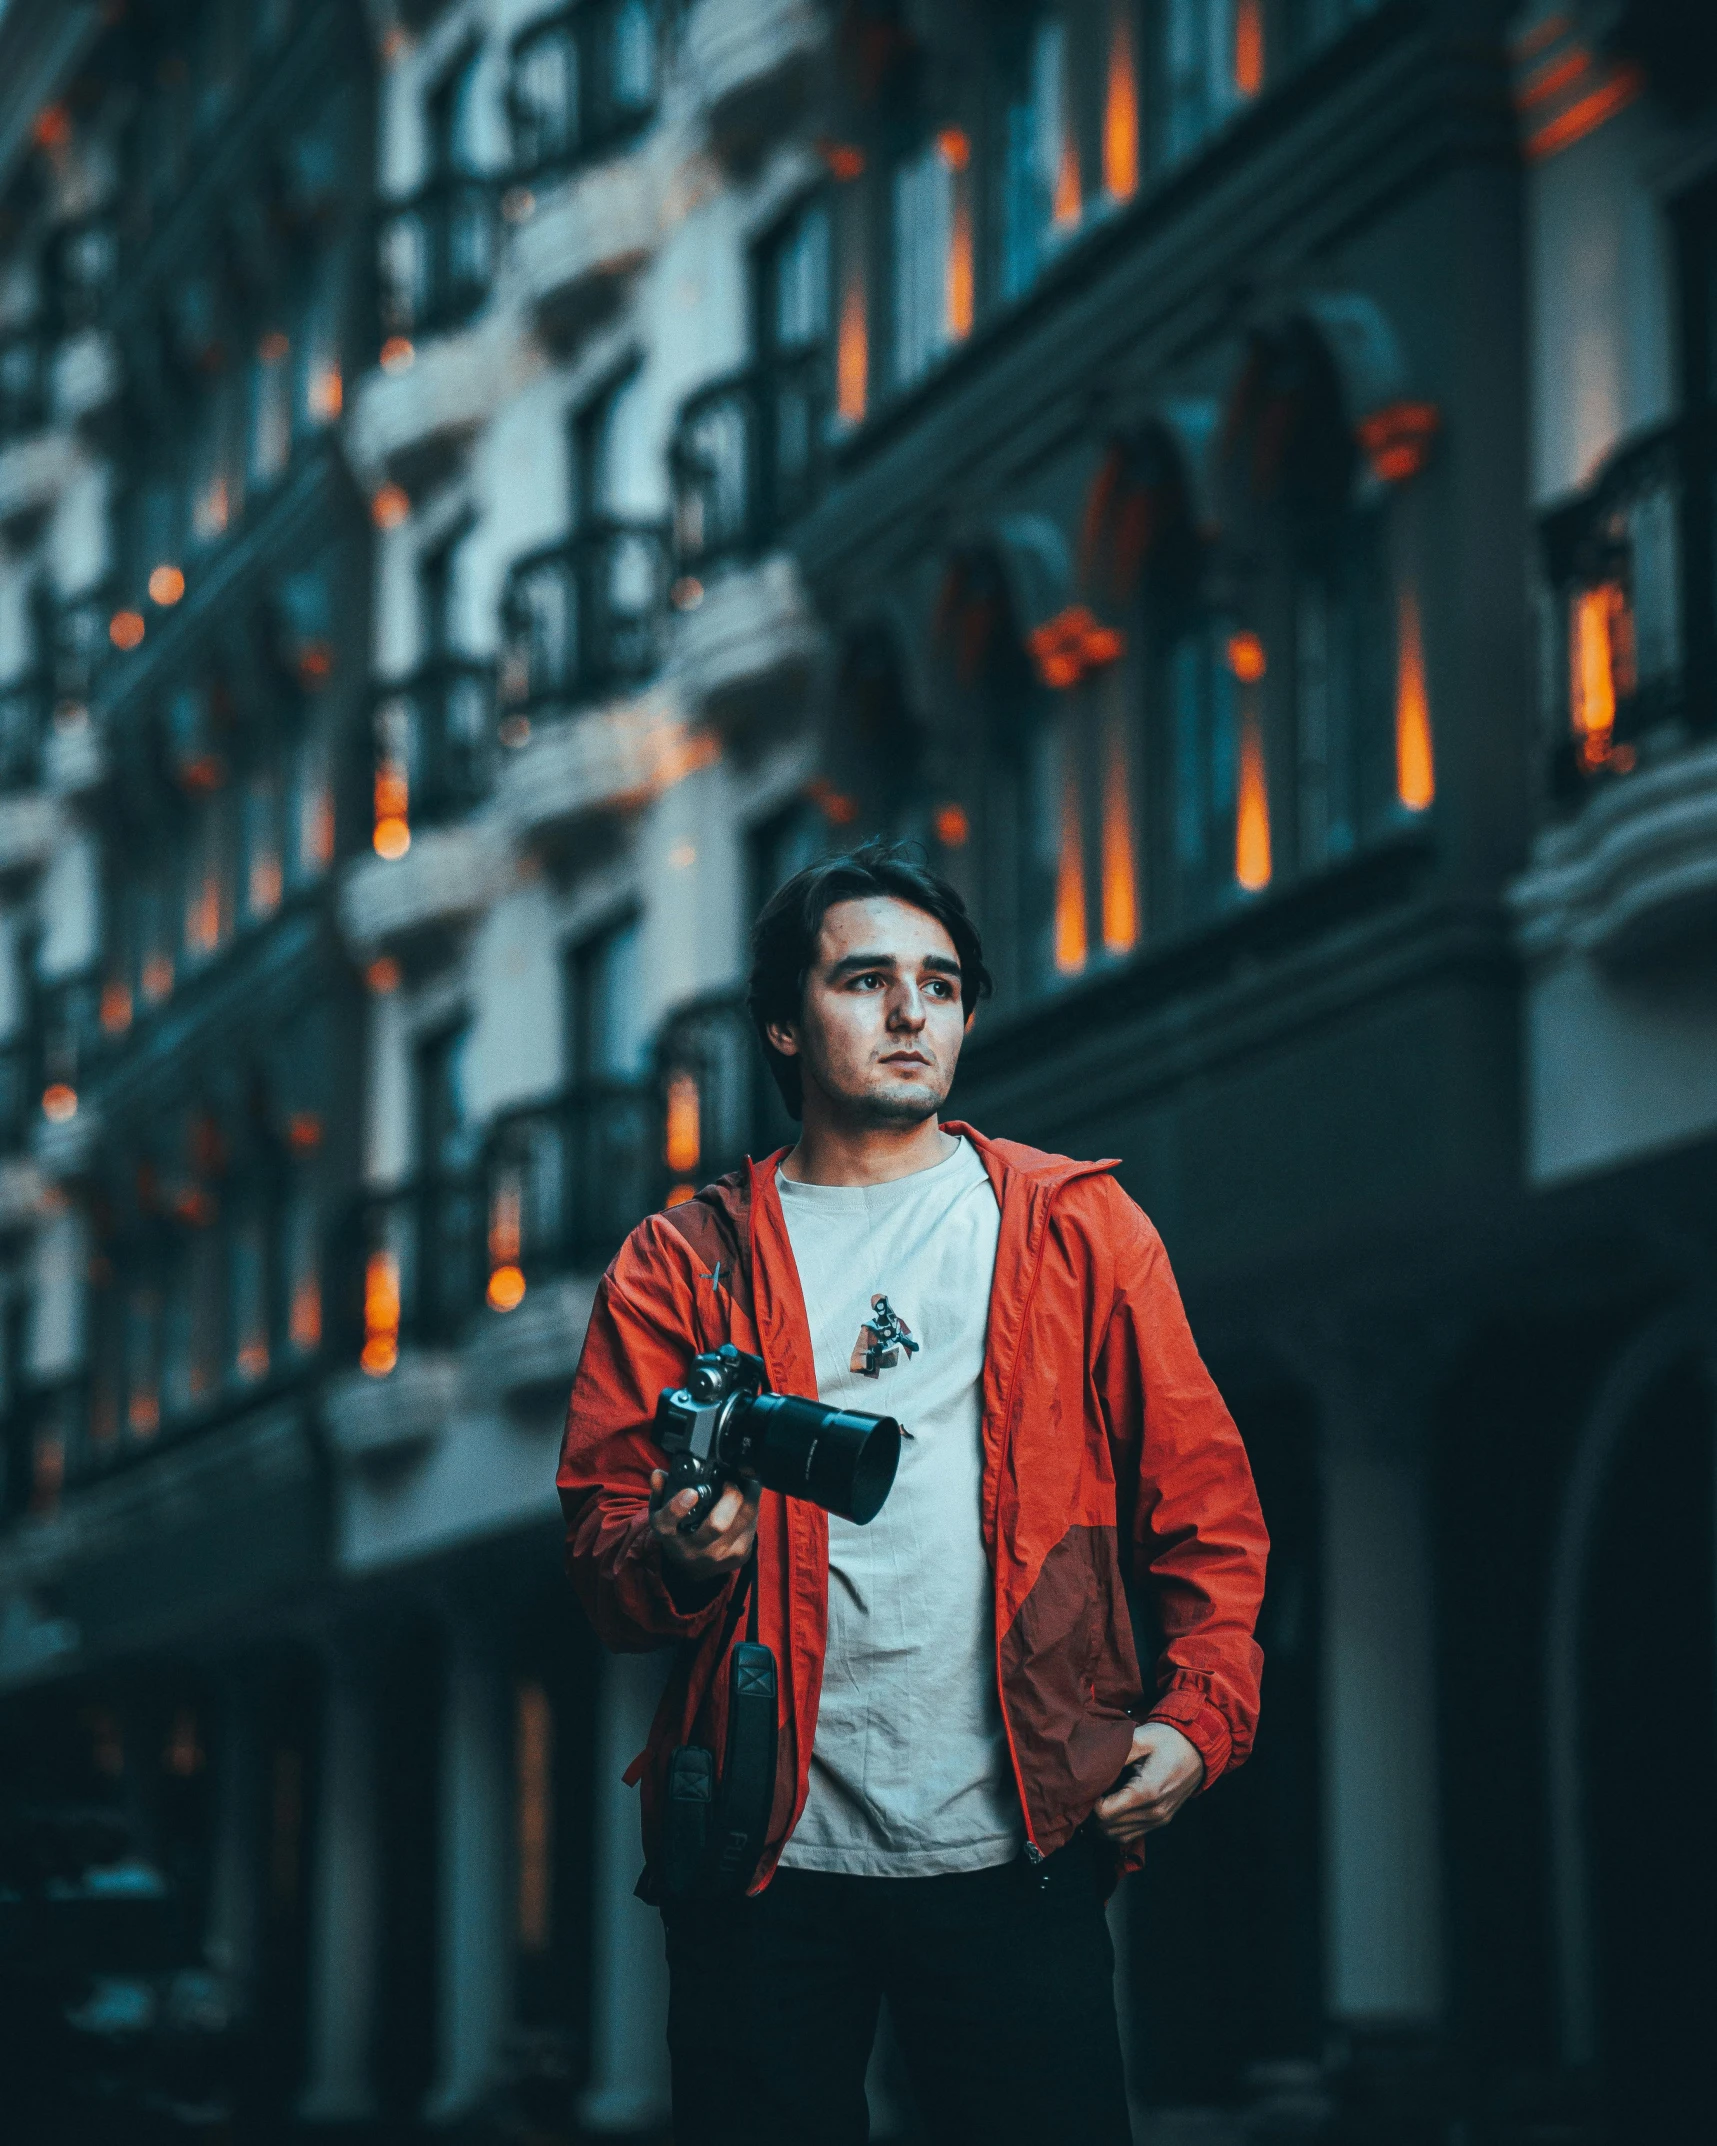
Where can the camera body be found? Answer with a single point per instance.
(724, 1423)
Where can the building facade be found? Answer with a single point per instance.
(487, 491)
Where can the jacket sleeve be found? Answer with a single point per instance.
(1197, 1534)
(642, 1333)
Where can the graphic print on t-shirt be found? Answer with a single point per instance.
(881, 1340)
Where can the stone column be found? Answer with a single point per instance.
(1381, 1823)
(476, 1861)
(343, 1902)
(230, 1936)
(628, 2088)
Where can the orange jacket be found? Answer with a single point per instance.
(1101, 1428)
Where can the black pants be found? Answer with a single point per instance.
(1000, 1984)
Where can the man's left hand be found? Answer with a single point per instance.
(1163, 1770)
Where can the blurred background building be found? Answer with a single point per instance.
(489, 489)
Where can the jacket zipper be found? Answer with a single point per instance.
(1034, 1855)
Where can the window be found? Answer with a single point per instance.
(608, 1039)
(1043, 187)
(1084, 789)
(261, 867)
(248, 1255)
(792, 272)
(270, 407)
(1215, 61)
(934, 266)
(449, 1216)
(583, 80)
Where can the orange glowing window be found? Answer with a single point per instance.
(59, 1102)
(1121, 108)
(1067, 204)
(392, 837)
(381, 1314)
(203, 916)
(852, 353)
(390, 507)
(327, 394)
(115, 1006)
(1071, 941)
(680, 1194)
(166, 586)
(960, 283)
(252, 1358)
(398, 355)
(953, 826)
(1249, 47)
(1252, 805)
(157, 978)
(304, 1318)
(1246, 657)
(143, 1411)
(845, 161)
(682, 1147)
(1415, 776)
(126, 629)
(1599, 662)
(1120, 875)
(383, 976)
(506, 1291)
(263, 888)
(534, 1763)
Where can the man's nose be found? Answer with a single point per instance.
(906, 1006)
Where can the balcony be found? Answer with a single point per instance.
(1635, 874)
(606, 761)
(436, 255)
(583, 619)
(749, 454)
(379, 1423)
(29, 818)
(435, 742)
(411, 425)
(753, 62)
(582, 242)
(583, 82)
(721, 1104)
(564, 1181)
(415, 905)
(747, 653)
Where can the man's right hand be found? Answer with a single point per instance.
(716, 1550)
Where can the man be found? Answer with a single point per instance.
(966, 1751)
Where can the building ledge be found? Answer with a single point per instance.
(753, 62)
(379, 1422)
(74, 757)
(535, 1348)
(1634, 874)
(750, 648)
(584, 240)
(606, 761)
(412, 425)
(30, 828)
(412, 903)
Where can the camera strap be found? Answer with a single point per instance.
(713, 1832)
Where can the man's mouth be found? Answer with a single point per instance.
(906, 1058)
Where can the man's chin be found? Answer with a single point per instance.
(895, 1108)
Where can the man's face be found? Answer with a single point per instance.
(880, 1030)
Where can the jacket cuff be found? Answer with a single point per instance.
(1201, 1725)
(683, 1607)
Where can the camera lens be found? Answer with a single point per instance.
(836, 1457)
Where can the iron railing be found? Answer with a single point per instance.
(563, 1182)
(583, 81)
(436, 255)
(749, 454)
(418, 1267)
(434, 740)
(1630, 613)
(718, 1101)
(584, 617)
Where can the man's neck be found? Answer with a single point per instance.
(835, 1151)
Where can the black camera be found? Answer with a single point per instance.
(724, 1422)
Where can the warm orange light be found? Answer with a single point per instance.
(304, 1321)
(1586, 114)
(252, 1360)
(213, 509)
(953, 828)
(392, 838)
(59, 1102)
(304, 1132)
(1249, 47)
(1067, 204)
(1246, 657)
(157, 977)
(398, 354)
(1071, 944)
(203, 917)
(1415, 776)
(1252, 817)
(682, 1146)
(1592, 670)
(51, 127)
(381, 1314)
(845, 161)
(835, 806)
(316, 827)
(143, 1412)
(852, 353)
(166, 586)
(1121, 108)
(327, 393)
(1397, 439)
(1072, 643)
(265, 884)
(382, 976)
(115, 1006)
(126, 629)
(390, 507)
(273, 347)
(961, 280)
(506, 1222)
(681, 1193)
(1120, 880)
(506, 1288)
(954, 145)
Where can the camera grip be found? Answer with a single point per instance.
(686, 1473)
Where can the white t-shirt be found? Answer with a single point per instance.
(910, 1774)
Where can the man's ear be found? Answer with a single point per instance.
(783, 1037)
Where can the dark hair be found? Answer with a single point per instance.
(784, 937)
